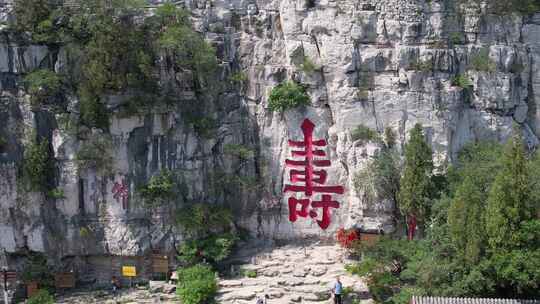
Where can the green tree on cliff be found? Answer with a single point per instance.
(470, 180)
(416, 184)
(512, 222)
(509, 201)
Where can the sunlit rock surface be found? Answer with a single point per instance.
(366, 55)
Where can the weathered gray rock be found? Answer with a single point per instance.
(368, 71)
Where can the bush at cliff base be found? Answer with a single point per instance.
(41, 297)
(196, 284)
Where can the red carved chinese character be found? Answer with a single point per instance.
(309, 175)
(313, 180)
(294, 213)
(121, 192)
(326, 203)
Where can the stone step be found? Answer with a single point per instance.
(290, 276)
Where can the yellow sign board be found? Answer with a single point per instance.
(129, 271)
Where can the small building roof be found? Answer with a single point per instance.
(441, 300)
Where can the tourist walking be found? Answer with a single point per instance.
(337, 290)
(115, 285)
(263, 300)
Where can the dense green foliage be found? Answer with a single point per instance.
(189, 48)
(212, 249)
(210, 238)
(33, 16)
(379, 180)
(42, 84)
(159, 189)
(117, 46)
(416, 185)
(482, 240)
(201, 219)
(287, 95)
(38, 165)
(465, 213)
(196, 284)
(41, 297)
(37, 270)
(364, 134)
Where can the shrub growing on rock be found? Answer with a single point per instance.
(240, 151)
(213, 249)
(308, 66)
(209, 230)
(42, 84)
(461, 81)
(95, 153)
(201, 219)
(30, 13)
(159, 189)
(56, 193)
(189, 48)
(196, 284)
(238, 77)
(379, 179)
(37, 270)
(365, 134)
(287, 95)
(38, 166)
(481, 62)
(41, 297)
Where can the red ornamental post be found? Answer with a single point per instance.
(411, 227)
(305, 171)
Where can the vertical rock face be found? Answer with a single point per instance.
(379, 63)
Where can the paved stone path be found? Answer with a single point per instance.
(292, 274)
(288, 274)
(146, 295)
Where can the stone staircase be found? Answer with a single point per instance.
(292, 274)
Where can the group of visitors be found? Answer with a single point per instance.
(337, 291)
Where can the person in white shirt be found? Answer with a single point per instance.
(337, 290)
(263, 300)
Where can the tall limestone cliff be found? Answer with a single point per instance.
(377, 63)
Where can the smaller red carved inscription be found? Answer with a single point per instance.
(121, 192)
